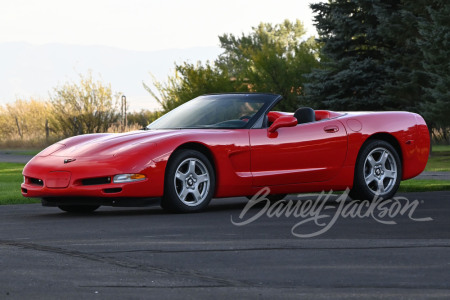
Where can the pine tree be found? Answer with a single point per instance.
(435, 46)
(406, 81)
(372, 60)
(352, 60)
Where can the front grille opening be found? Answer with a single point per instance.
(35, 181)
(24, 191)
(96, 181)
(112, 190)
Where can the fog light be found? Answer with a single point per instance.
(121, 178)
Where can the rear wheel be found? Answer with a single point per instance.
(378, 172)
(189, 182)
(78, 208)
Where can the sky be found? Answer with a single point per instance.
(140, 25)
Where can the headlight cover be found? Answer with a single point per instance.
(122, 178)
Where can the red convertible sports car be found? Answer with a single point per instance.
(226, 145)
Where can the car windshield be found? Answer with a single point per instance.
(216, 111)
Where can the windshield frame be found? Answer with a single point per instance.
(269, 101)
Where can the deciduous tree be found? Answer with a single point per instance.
(85, 107)
(272, 59)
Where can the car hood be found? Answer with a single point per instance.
(111, 144)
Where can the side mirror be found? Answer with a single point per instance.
(284, 121)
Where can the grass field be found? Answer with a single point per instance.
(420, 185)
(11, 177)
(20, 152)
(10, 180)
(439, 161)
(441, 148)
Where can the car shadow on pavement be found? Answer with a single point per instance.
(232, 205)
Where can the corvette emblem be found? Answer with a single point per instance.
(66, 161)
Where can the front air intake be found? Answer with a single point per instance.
(112, 190)
(35, 181)
(96, 181)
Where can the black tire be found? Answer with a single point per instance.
(189, 183)
(378, 171)
(78, 209)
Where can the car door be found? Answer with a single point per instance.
(310, 152)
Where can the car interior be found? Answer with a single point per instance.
(303, 115)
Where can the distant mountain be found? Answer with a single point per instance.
(30, 70)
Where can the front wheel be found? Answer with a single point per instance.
(189, 182)
(378, 172)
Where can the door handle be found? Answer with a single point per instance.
(331, 129)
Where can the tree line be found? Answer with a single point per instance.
(384, 55)
(87, 106)
(272, 59)
(369, 55)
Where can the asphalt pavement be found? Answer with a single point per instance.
(13, 157)
(399, 250)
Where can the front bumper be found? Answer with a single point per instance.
(118, 202)
(91, 178)
(133, 189)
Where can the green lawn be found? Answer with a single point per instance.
(421, 185)
(10, 180)
(29, 152)
(20, 152)
(439, 161)
(441, 148)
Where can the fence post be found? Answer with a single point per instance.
(18, 128)
(47, 131)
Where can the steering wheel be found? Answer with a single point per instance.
(245, 118)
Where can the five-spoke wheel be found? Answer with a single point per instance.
(380, 170)
(189, 182)
(192, 181)
(377, 172)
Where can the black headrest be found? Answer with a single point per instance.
(305, 115)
